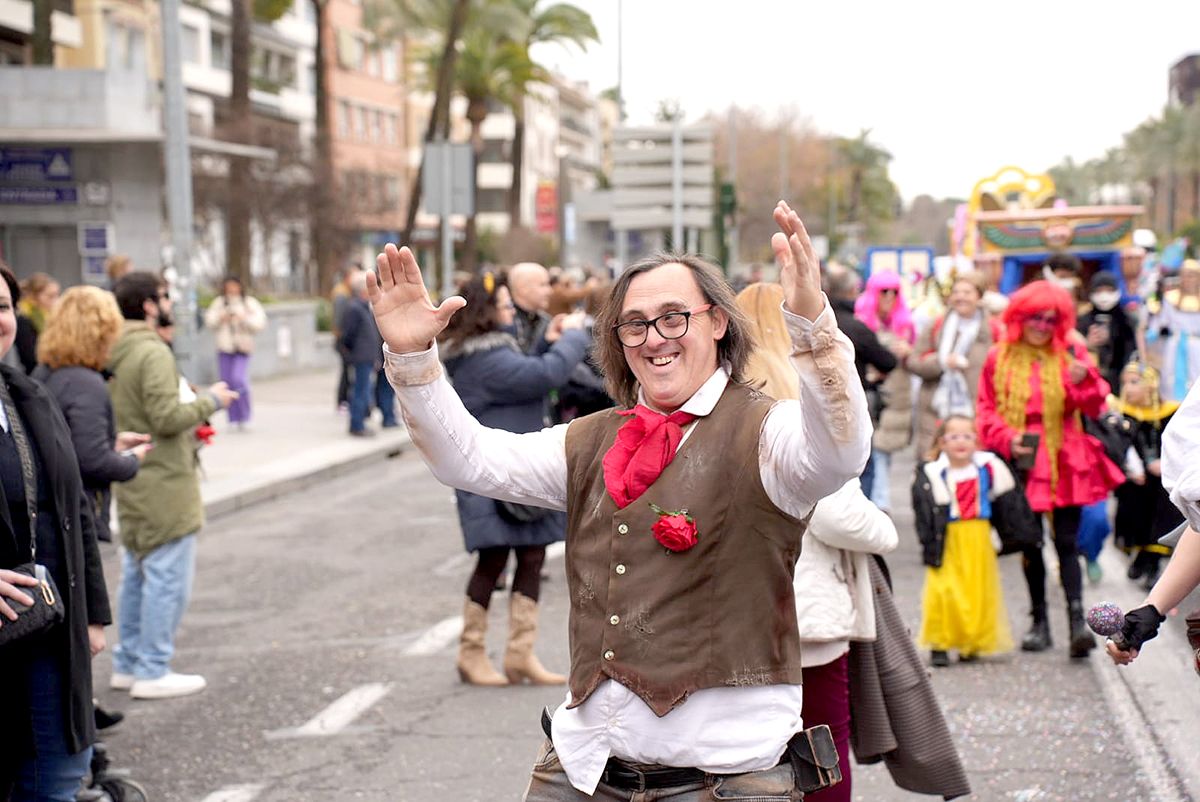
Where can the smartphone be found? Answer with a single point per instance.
(1030, 440)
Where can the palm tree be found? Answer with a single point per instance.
(560, 23)
(871, 191)
(242, 15)
(443, 21)
(486, 71)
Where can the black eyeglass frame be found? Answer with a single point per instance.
(687, 323)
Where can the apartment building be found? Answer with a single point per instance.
(366, 95)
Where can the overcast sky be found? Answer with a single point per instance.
(954, 90)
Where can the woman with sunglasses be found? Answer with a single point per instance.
(883, 308)
(1035, 386)
(505, 388)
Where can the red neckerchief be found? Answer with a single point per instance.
(644, 447)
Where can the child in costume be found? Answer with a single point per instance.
(958, 496)
(1144, 510)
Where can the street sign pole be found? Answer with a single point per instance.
(677, 242)
(179, 186)
(447, 237)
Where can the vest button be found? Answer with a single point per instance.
(623, 529)
(610, 654)
(614, 620)
(621, 569)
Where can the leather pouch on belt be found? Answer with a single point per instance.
(814, 759)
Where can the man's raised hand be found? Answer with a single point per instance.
(408, 321)
(799, 267)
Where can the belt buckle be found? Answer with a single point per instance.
(620, 772)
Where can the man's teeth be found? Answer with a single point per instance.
(662, 360)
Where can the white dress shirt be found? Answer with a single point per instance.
(1180, 466)
(808, 448)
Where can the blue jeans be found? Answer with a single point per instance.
(360, 396)
(880, 490)
(51, 774)
(154, 593)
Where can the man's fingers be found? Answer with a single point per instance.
(449, 306)
(412, 271)
(801, 233)
(783, 250)
(374, 293)
(386, 263)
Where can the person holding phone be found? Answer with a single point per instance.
(1035, 385)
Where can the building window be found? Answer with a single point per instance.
(191, 45)
(360, 122)
(350, 50)
(376, 126)
(343, 122)
(389, 128)
(390, 64)
(372, 61)
(219, 46)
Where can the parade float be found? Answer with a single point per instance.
(1014, 221)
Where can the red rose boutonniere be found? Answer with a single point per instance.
(675, 530)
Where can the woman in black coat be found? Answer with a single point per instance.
(504, 388)
(45, 680)
(72, 352)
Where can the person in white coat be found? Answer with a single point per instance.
(835, 603)
(834, 606)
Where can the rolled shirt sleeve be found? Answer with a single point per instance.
(812, 446)
(525, 468)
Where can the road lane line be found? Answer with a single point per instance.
(436, 638)
(235, 793)
(344, 711)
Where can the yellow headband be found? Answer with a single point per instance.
(489, 282)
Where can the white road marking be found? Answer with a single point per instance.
(436, 638)
(235, 793)
(339, 715)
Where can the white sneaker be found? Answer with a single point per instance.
(167, 686)
(120, 682)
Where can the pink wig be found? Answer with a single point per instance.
(1034, 298)
(866, 308)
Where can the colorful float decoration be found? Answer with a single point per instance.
(1014, 222)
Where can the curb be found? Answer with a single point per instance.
(282, 486)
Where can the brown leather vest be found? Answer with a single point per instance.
(662, 623)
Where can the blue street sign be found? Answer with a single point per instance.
(39, 196)
(35, 164)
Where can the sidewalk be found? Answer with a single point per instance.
(295, 439)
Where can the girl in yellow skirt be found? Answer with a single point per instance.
(958, 496)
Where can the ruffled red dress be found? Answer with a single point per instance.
(1085, 474)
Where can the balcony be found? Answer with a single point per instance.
(44, 104)
(65, 28)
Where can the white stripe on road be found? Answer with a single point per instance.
(344, 711)
(436, 638)
(235, 793)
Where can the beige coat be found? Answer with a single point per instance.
(894, 431)
(235, 334)
(924, 363)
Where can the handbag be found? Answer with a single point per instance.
(1193, 636)
(814, 759)
(519, 514)
(47, 608)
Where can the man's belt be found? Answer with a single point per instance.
(619, 774)
(812, 754)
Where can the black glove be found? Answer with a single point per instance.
(1140, 626)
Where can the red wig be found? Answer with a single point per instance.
(1034, 298)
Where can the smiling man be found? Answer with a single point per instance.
(685, 507)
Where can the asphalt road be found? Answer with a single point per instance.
(324, 623)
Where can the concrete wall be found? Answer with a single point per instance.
(290, 343)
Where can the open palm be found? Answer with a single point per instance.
(407, 319)
(799, 267)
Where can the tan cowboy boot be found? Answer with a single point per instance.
(473, 665)
(520, 663)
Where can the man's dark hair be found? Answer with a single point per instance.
(133, 290)
(733, 349)
(1067, 262)
(10, 278)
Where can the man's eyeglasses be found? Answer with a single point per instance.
(670, 326)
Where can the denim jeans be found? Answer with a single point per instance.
(154, 593)
(360, 396)
(549, 784)
(880, 490)
(51, 774)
